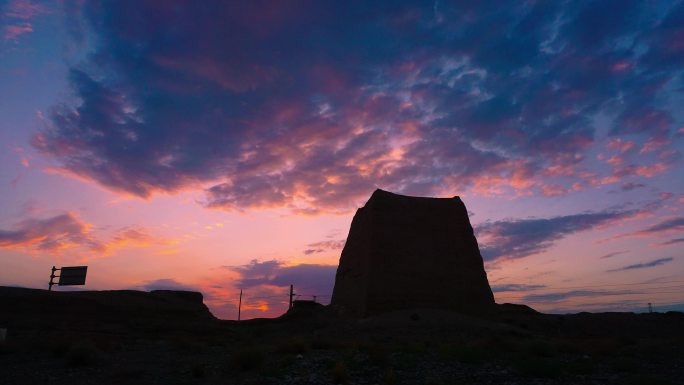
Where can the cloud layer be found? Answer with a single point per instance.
(643, 265)
(509, 239)
(67, 231)
(308, 279)
(17, 18)
(311, 105)
(50, 234)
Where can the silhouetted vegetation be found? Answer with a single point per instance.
(247, 359)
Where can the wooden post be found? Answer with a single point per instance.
(240, 305)
(52, 277)
(291, 295)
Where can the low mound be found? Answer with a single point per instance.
(101, 310)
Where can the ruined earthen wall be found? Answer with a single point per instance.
(409, 252)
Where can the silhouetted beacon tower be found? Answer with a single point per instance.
(408, 252)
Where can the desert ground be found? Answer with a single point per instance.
(128, 337)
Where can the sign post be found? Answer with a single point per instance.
(240, 305)
(69, 276)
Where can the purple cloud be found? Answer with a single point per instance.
(167, 284)
(308, 279)
(516, 287)
(523, 237)
(311, 106)
(644, 265)
(16, 18)
(674, 224)
(629, 186)
(66, 231)
(671, 242)
(323, 246)
(564, 295)
(611, 255)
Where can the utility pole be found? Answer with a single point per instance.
(314, 298)
(240, 305)
(650, 308)
(291, 295)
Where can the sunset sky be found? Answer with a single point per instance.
(219, 146)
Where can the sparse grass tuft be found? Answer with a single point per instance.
(340, 373)
(643, 379)
(501, 343)
(625, 365)
(125, 375)
(469, 354)
(296, 345)
(568, 347)
(323, 343)
(532, 366)
(581, 366)
(5, 347)
(198, 370)
(59, 347)
(82, 354)
(603, 347)
(541, 348)
(390, 377)
(185, 345)
(248, 359)
(378, 355)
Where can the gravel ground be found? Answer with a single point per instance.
(391, 350)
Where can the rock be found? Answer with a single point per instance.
(411, 252)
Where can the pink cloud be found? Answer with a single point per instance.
(653, 144)
(620, 145)
(13, 32)
(651, 170)
(646, 171)
(265, 286)
(50, 234)
(670, 226)
(615, 160)
(665, 195)
(646, 119)
(608, 180)
(20, 13)
(24, 9)
(621, 66)
(24, 158)
(65, 231)
(553, 190)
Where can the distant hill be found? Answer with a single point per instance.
(101, 310)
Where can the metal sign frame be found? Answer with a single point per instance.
(68, 276)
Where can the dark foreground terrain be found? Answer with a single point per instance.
(165, 337)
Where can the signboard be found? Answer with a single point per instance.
(73, 275)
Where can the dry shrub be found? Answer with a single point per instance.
(340, 373)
